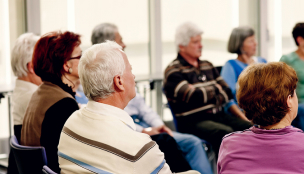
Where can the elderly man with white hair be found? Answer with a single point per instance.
(197, 94)
(101, 137)
(149, 122)
(27, 81)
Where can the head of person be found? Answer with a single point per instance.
(242, 41)
(56, 56)
(298, 34)
(267, 93)
(105, 72)
(188, 40)
(106, 31)
(21, 58)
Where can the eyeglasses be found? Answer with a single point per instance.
(78, 57)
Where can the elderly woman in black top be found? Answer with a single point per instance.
(55, 60)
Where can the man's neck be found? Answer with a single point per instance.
(114, 100)
(191, 60)
(27, 78)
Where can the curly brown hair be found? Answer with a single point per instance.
(263, 90)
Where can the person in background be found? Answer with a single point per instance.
(55, 60)
(190, 145)
(296, 61)
(102, 134)
(26, 84)
(267, 94)
(27, 81)
(242, 42)
(197, 93)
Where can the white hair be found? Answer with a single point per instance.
(184, 32)
(22, 53)
(98, 66)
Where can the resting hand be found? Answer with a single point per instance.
(151, 131)
(164, 128)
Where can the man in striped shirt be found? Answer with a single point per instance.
(197, 94)
(101, 137)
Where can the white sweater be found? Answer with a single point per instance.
(102, 139)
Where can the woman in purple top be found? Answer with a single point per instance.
(267, 95)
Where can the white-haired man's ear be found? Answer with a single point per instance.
(30, 68)
(118, 83)
(181, 48)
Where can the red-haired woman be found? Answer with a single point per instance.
(55, 59)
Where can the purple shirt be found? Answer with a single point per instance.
(258, 151)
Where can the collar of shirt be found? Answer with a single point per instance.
(184, 62)
(108, 110)
(28, 86)
(287, 129)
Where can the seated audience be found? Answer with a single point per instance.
(27, 81)
(242, 42)
(102, 133)
(197, 93)
(267, 94)
(296, 61)
(147, 121)
(55, 60)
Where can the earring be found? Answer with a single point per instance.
(290, 109)
(70, 70)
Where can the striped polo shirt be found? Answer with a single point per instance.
(191, 91)
(101, 138)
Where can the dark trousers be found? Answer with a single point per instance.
(173, 154)
(213, 127)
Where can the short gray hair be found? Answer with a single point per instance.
(237, 38)
(184, 32)
(98, 66)
(22, 53)
(103, 32)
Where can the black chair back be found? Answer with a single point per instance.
(29, 159)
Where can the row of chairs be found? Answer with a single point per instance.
(29, 159)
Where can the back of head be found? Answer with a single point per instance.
(184, 32)
(51, 52)
(97, 68)
(263, 90)
(298, 30)
(22, 53)
(237, 38)
(103, 32)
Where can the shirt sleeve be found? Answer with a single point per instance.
(177, 88)
(228, 75)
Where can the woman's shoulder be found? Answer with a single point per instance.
(261, 60)
(287, 58)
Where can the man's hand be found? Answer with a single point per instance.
(166, 129)
(157, 130)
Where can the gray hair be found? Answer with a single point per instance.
(98, 66)
(103, 32)
(184, 33)
(22, 53)
(237, 38)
